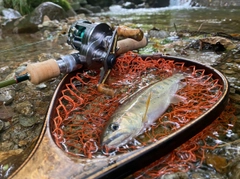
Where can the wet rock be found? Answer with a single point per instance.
(28, 121)
(46, 33)
(4, 69)
(7, 95)
(228, 72)
(6, 113)
(177, 175)
(129, 5)
(206, 173)
(215, 3)
(78, 3)
(11, 14)
(22, 143)
(41, 86)
(217, 162)
(50, 24)
(20, 69)
(82, 7)
(1, 125)
(25, 108)
(236, 67)
(237, 60)
(6, 145)
(53, 11)
(94, 9)
(217, 43)
(234, 171)
(208, 58)
(6, 154)
(223, 67)
(235, 98)
(30, 22)
(75, 5)
(82, 10)
(142, 5)
(237, 112)
(158, 33)
(5, 136)
(71, 13)
(7, 124)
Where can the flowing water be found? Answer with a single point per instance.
(185, 18)
(29, 103)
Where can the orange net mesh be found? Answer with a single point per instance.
(83, 111)
(192, 153)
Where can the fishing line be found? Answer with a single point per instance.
(29, 44)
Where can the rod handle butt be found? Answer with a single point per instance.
(42, 71)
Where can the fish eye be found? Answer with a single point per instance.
(114, 126)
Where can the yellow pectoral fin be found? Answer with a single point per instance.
(144, 119)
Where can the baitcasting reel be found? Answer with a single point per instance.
(97, 45)
(95, 42)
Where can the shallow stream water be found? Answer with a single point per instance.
(29, 102)
(185, 18)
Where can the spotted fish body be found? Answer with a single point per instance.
(141, 111)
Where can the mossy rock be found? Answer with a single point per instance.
(27, 6)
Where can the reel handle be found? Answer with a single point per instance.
(127, 32)
(129, 44)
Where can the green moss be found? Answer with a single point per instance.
(20, 5)
(27, 6)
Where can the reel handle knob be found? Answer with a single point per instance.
(127, 32)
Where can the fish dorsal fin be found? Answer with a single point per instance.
(144, 119)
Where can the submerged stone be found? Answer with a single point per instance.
(219, 163)
(11, 14)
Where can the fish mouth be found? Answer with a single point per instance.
(115, 139)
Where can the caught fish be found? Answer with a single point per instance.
(141, 111)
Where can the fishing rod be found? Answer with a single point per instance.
(97, 45)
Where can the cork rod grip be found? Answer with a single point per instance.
(42, 71)
(129, 44)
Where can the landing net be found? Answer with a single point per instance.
(83, 111)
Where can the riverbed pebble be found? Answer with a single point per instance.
(25, 108)
(177, 175)
(6, 113)
(6, 145)
(7, 95)
(234, 171)
(1, 125)
(228, 72)
(235, 97)
(28, 121)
